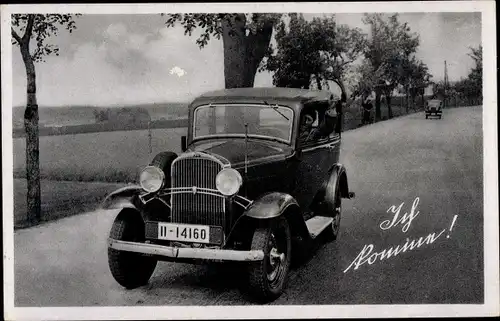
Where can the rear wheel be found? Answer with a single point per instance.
(332, 231)
(129, 269)
(267, 278)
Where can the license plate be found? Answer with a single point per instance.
(184, 232)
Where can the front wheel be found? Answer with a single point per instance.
(129, 269)
(267, 278)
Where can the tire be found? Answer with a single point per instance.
(129, 269)
(267, 278)
(426, 116)
(332, 231)
(163, 161)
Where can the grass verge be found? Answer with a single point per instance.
(60, 199)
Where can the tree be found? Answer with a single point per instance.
(415, 77)
(390, 43)
(26, 29)
(438, 90)
(317, 50)
(471, 87)
(475, 76)
(246, 39)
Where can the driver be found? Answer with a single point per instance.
(327, 125)
(306, 123)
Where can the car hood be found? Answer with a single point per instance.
(258, 151)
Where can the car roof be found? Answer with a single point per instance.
(264, 94)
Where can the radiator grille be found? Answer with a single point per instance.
(196, 208)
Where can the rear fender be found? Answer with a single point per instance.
(336, 179)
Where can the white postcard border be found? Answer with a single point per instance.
(490, 170)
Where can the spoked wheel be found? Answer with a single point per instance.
(332, 230)
(267, 278)
(129, 269)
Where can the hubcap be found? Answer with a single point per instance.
(336, 220)
(276, 260)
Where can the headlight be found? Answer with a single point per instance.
(151, 179)
(228, 181)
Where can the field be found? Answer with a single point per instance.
(93, 157)
(80, 115)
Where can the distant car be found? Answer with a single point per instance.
(245, 189)
(434, 107)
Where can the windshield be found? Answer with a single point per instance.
(434, 103)
(262, 121)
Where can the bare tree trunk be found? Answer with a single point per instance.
(407, 102)
(243, 53)
(31, 120)
(389, 107)
(318, 82)
(234, 45)
(242, 56)
(378, 113)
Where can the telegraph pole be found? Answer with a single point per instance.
(445, 84)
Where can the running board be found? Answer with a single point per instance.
(317, 224)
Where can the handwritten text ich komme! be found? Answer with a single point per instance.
(367, 255)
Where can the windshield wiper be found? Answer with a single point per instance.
(275, 108)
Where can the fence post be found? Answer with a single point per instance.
(150, 138)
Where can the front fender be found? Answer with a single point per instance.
(122, 198)
(128, 198)
(276, 204)
(270, 205)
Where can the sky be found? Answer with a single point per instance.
(125, 59)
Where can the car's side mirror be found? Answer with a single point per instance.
(183, 143)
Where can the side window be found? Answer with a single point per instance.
(325, 123)
(308, 128)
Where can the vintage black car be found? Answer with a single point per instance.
(253, 185)
(434, 107)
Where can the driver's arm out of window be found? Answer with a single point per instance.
(327, 126)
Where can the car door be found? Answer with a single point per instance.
(315, 157)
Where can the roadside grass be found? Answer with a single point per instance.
(60, 199)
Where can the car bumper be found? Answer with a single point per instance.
(186, 253)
